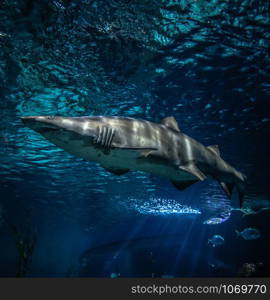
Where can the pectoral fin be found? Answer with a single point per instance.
(192, 169)
(181, 185)
(146, 152)
(116, 171)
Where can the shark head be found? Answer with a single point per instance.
(43, 124)
(83, 137)
(50, 125)
(62, 130)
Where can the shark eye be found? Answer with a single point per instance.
(50, 117)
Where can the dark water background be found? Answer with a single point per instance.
(207, 63)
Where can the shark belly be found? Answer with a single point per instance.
(121, 159)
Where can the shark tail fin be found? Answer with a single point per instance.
(237, 232)
(228, 188)
(241, 194)
(239, 185)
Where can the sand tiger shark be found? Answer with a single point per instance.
(120, 144)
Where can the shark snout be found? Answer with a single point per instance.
(38, 123)
(40, 119)
(30, 119)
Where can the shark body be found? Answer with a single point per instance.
(121, 144)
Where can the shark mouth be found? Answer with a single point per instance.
(39, 126)
(47, 130)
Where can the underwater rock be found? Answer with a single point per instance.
(25, 243)
(135, 257)
(1, 214)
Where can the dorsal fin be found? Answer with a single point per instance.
(214, 148)
(171, 123)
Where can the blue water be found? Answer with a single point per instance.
(206, 63)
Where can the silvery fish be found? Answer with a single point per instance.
(216, 240)
(249, 233)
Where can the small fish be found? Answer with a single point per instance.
(167, 276)
(216, 240)
(218, 266)
(245, 211)
(115, 275)
(250, 269)
(249, 233)
(3, 34)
